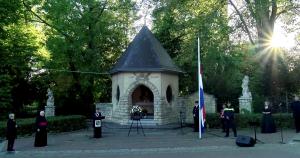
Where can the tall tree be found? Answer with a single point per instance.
(177, 24)
(19, 51)
(85, 38)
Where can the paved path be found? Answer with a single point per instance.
(168, 142)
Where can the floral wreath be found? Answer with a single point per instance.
(135, 109)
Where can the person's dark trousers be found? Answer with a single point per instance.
(230, 124)
(297, 123)
(10, 144)
(196, 124)
(223, 124)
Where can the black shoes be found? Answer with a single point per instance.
(10, 150)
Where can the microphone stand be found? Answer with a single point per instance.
(280, 124)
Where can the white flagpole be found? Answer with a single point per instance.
(199, 71)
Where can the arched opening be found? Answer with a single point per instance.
(143, 97)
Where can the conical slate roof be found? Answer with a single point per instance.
(145, 54)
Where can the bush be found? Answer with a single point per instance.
(241, 120)
(55, 124)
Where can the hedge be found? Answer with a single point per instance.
(241, 120)
(55, 124)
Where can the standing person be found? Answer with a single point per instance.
(296, 113)
(97, 123)
(229, 119)
(11, 132)
(267, 124)
(196, 116)
(222, 117)
(41, 130)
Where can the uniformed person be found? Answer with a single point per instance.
(229, 119)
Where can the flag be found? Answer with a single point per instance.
(202, 114)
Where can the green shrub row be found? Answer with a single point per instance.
(55, 124)
(284, 120)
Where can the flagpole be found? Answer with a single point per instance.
(199, 99)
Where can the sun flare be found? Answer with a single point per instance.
(281, 39)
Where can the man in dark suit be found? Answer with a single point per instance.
(196, 116)
(11, 132)
(296, 112)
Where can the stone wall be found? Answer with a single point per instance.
(209, 102)
(106, 110)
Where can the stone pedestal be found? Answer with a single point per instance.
(49, 110)
(245, 104)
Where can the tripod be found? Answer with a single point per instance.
(138, 121)
(254, 124)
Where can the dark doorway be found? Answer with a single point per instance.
(143, 97)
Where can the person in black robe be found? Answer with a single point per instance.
(267, 123)
(97, 124)
(41, 130)
(196, 116)
(11, 132)
(229, 120)
(296, 113)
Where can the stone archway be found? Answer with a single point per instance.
(143, 97)
(134, 86)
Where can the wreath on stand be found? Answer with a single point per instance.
(136, 112)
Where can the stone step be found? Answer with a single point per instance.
(144, 122)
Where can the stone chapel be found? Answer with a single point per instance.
(144, 75)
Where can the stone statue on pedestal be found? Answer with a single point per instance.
(50, 108)
(245, 101)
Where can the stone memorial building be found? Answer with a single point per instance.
(146, 76)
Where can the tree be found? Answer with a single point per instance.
(257, 19)
(177, 25)
(85, 38)
(19, 51)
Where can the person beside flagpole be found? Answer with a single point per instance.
(196, 116)
(229, 119)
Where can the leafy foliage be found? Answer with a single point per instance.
(18, 47)
(84, 38)
(177, 25)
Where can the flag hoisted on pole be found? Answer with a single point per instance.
(201, 95)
